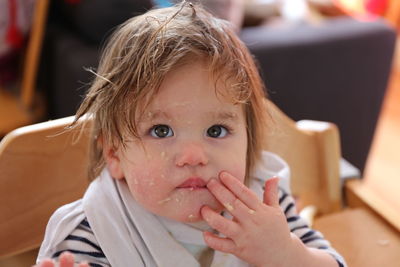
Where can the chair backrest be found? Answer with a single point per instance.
(312, 150)
(41, 169)
(25, 106)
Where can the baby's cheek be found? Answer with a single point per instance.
(240, 175)
(238, 170)
(147, 181)
(139, 181)
(138, 186)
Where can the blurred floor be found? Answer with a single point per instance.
(383, 166)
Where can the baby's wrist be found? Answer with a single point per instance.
(299, 254)
(306, 256)
(291, 256)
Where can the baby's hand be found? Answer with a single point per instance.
(259, 233)
(66, 260)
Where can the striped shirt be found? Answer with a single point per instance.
(83, 244)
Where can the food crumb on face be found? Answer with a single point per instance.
(383, 242)
(163, 154)
(252, 211)
(164, 200)
(191, 216)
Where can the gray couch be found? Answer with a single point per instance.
(336, 71)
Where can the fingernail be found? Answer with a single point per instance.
(67, 255)
(206, 235)
(211, 182)
(224, 175)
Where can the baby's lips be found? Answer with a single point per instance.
(193, 182)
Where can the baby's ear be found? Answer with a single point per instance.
(113, 161)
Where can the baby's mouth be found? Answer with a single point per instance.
(193, 183)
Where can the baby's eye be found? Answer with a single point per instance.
(161, 131)
(217, 131)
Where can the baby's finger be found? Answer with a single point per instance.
(45, 263)
(67, 259)
(232, 203)
(219, 223)
(271, 192)
(241, 191)
(219, 243)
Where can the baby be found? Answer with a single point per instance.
(179, 175)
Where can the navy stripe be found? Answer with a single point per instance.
(340, 264)
(299, 227)
(292, 219)
(89, 253)
(282, 198)
(95, 265)
(83, 240)
(291, 205)
(85, 223)
(323, 247)
(305, 241)
(308, 234)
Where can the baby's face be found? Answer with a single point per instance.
(188, 137)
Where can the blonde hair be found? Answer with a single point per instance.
(139, 55)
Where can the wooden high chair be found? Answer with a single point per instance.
(41, 169)
(25, 106)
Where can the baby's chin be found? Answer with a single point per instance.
(193, 215)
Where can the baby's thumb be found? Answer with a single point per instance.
(271, 192)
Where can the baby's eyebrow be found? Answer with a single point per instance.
(225, 115)
(216, 115)
(152, 115)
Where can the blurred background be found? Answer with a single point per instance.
(329, 60)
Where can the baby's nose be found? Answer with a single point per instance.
(191, 155)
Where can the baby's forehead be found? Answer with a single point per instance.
(221, 114)
(193, 87)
